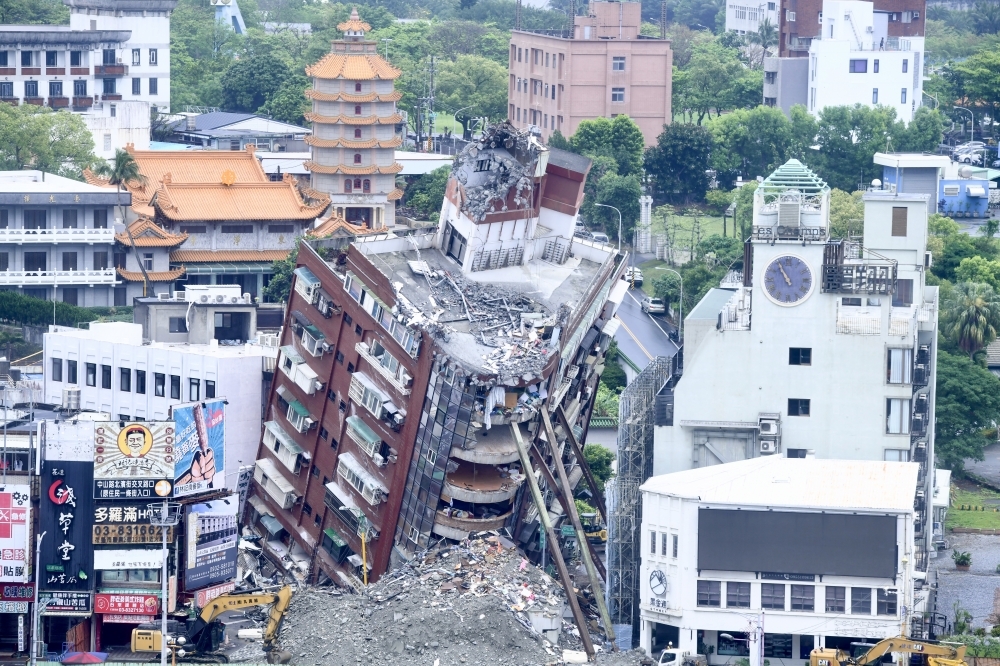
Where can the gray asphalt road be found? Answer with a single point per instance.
(976, 590)
(642, 337)
(989, 468)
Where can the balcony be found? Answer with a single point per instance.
(79, 71)
(110, 70)
(55, 71)
(83, 102)
(58, 102)
(459, 528)
(481, 484)
(496, 447)
(111, 97)
(37, 101)
(13, 101)
(735, 315)
(274, 483)
(61, 278)
(846, 271)
(401, 384)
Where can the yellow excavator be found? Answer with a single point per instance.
(937, 654)
(198, 640)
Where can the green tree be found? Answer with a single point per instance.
(847, 214)
(924, 133)
(977, 78)
(765, 37)
(623, 193)
(967, 403)
(252, 80)
(678, 161)
(750, 142)
(668, 287)
(475, 85)
(804, 130)
(592, 137)
(682, 42)
(613, 376)
(620, 139)
(697, 14)
(288, 104)
(426, 194)
(557, 140)
(986, 15)
(954, 248)
(280, 286)
(848, 137)
(971, 316)
(31, 12)
(37, 137)
(606, 402)
(979, 269)
(714, 77)
(599, 459)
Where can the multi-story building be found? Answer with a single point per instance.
(604, 68)
(857, 53)
(355, 128)
(57, 238)
(145, 268)
(402, 372)
(826, 348)
(788, 553)
(800, 21)
(747, 18)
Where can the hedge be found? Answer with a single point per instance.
(18, 309)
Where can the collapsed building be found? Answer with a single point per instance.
(408, 361)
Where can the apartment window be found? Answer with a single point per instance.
(903, 295)
(902, 96)
(136, 86)
(800, 356)
(153, 60)
(798, 407)
(3, 58)
(56, 369)
(859, 66)
(861, 601)
(125, 379)
(357, 132)
(6, 87)
(26, 58)
(663, 544)
(874, 95)
(34, 219)
(71, 372)
(519, 50)
(770, 77)
(135, 57)
(209, 388)
(197, 229)
(357, 158)
(674, 546)
(75, 58)
(91, 374)
(350, 367)
(114, 113)
(159, 382)
(140, 382)
(69, 219)
(51, 58)
(55, 89)
(69, 261)
(906, 65)
(105, 376)
(803, 598)
(899, 364)
(796, 453)
(35, 261)
(772, 595)
(175, 387)
(835, 599)
(875, 66)
(194, 389)
(4, 261)
(737, 595)
(109, 86)
(618, 64)
(789, 16)
(617, 94)
(709, 593)
(306, 509)
(736, 646)
(101, 218)
(154, 86)
(897, 416)
(652, 543)
(896, 455)
(886, 602)
(147, 260)
(178, 325)
(339, 356)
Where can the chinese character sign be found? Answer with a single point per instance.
(65, 512)
(211, 534)
(133, 461)
(14, 505)
(127, 604)
(200, 448)
(125, 523)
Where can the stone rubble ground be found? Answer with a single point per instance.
(457, 605)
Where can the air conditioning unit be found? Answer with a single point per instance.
(768, 446)
(234, 299)
(920, 403)
(118, 61)
(869, 29)
(769, 427)
(163, 296)
(372, 495)
(325, 347)
(203, 299)
(219, 298)
(379, 460)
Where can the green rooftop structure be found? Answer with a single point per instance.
(793, 175)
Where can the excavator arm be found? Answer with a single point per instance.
(942, 652)
(228, 602)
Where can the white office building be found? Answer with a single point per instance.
(746, 17)
(853, 61)
(118, 372)
(827, 348)
(767, 559)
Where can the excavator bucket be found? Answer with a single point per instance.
(279, 657)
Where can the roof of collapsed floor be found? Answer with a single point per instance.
(505, 322)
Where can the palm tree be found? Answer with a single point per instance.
(765, 37)
(972, 316)
(121, 171)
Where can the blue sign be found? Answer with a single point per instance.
(200, 447)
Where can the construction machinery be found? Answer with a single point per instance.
(936, 654)
(198, 639)
(593, 528)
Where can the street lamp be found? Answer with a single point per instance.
(972, 117)
(36, 637)
(619, 224)
(164, 515)
(680, 307)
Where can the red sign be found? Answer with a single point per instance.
(10, 515)
(202, 597)
(113, 618)
(17, 591)
(126, 604)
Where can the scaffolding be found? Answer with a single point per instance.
(636, 420)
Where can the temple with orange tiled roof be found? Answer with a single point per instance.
(144, 254)
(356, 128)
(230, 221)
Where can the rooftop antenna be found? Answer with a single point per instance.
(517, 16)
(663, 19)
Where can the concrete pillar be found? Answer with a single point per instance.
(643, 230)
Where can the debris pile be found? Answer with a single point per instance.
(496, 172)
(479, 602)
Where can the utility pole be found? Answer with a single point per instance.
(430, 108)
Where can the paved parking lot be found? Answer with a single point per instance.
(976, 590)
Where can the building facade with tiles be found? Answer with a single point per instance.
(356, 128)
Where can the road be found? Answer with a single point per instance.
(642, 337)
(989, 468)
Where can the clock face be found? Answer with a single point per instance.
(658, 582)
(788, 280)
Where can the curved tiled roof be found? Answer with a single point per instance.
(394, 142)
(395, 195)
(213, 256)
(394, 119)
(335, 223)
(154, 276)
(351, 170)
(239, 201)
(354, 24)
(355, 67)
(353, 98)
(148, 234)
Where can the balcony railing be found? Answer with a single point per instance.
(110, 70)
(27, 278)
(860, 278)
(79, 71)
(58, 102)
(53, 236)
(397, 383)
(83, 102)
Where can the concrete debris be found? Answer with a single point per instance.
(479, 602)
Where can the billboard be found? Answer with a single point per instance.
(126, 523)
(211, 535)
(14, 506)
(133, 460)
(200, 449)
(126, 604)
(64, 512)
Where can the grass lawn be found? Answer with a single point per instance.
(682, 228)
(445, 121)
(651, 269)
(977, 497)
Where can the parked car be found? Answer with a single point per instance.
(633, 276)
(653, 305)
(970, 158)
(601, 238)
(584, 234)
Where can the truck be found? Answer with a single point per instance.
(198, 639)
(937, 654)
(671, 656)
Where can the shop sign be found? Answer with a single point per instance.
(117, 618)
(17, 591)
(203, 597)
(65, 509)
(126, 604)
(133, 461)
(200, 449)
(14, 505)
(211, 534)
(13, 606)
(20, 633)
(128, 559)
(109, 535)
(64, 602)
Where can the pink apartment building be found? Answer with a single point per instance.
(605, 69)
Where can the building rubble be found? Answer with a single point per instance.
(478, 602)
(496, 172)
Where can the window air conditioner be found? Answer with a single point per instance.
(372, 495)
(869, 29)
(768, 446)
(379, 460)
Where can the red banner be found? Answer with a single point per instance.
(17, 591)
(126, 604)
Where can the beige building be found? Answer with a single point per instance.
(606, 68)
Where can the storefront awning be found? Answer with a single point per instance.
(306, 275)
(271, 524)
(337, 540)
(976, 191)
